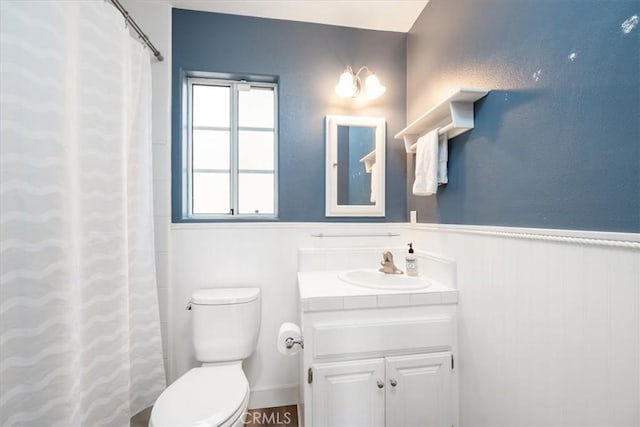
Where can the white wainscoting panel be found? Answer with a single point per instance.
(264, 255)
(549, 327)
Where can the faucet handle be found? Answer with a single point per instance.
(388, 266)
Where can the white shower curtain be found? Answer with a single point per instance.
(79, 325)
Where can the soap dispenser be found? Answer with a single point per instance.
(412, 262)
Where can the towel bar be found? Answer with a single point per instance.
(356, 235)
(442, 131)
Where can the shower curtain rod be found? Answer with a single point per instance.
(137, 29)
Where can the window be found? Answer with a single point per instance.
(231, 148)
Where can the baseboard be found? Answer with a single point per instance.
(271, 397)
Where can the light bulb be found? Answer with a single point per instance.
(373, 86)
(346, 87)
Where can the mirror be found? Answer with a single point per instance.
(355, 166)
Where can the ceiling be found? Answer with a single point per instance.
(385, 15)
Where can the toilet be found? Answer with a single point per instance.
(226, 323)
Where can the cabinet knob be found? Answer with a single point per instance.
(380, 384)
(393, 382)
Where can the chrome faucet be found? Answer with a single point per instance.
(388, 267)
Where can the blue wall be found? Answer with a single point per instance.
(556, 142)
(307, 60)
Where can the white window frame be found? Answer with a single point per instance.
(235, 86)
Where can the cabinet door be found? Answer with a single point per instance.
(419, 390)
(349, 394)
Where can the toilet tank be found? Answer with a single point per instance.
(226, 323)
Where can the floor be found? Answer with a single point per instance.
(266, 417)
(141, 419)
(269, 417)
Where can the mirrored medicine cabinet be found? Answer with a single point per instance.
(355, 166)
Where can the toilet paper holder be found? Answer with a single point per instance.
(290, 342)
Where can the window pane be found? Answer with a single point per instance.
(211, 105)
(211, 193)
(256, 107)
(256, 193)
(256, 150)
(211, 149)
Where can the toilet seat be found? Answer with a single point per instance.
(204, 397)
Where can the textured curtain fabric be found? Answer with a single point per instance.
(80, 337)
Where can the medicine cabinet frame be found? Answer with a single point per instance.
(374, 162)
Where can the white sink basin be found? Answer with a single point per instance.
(372, 278)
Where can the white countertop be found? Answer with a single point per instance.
(323, 290)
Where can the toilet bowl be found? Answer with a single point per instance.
(226, 324)
(206, 396)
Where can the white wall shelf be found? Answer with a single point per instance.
(453, 116)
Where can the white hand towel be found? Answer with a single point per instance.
(443, 158)
(426, 182)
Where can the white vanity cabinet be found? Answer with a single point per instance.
(412, 390)
(378, 358)
(418, 390)
(349, 393)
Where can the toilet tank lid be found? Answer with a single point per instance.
(219, 296)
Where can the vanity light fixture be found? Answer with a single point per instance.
(350, 84)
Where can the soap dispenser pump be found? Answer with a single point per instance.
(412, 262)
